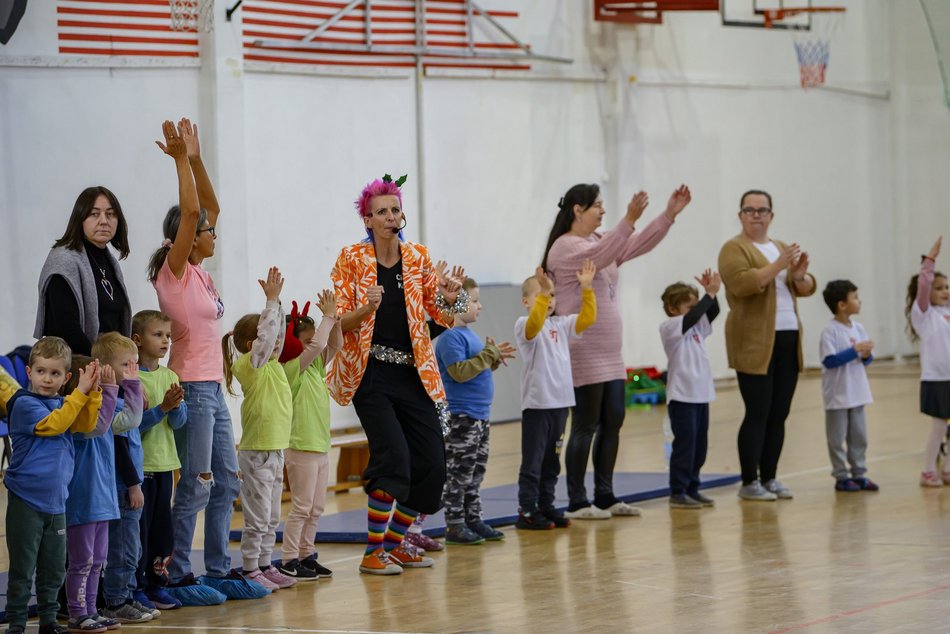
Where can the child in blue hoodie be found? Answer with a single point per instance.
(40, 468)
(93, 500)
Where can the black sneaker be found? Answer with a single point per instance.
(295, 570)
(557, 517)
(48, 628)
(533, 521)
(702, 499)
(314, 565)
(486, 531)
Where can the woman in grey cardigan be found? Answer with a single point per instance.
(82, 291)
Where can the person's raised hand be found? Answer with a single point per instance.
(188, 132)
(935, 249)
(106, 374)
(586, 275)
(326, 302)
(680, 197)
(545, 282)
(88, 378)
(130, 370)
(637, 206)
(788, 255)
(174, 146)
(273, 285)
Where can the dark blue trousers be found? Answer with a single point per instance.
(690, 424)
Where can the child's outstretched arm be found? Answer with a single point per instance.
(134, 402)
(326, 302)
(539, 312)
(491, 356)
(588, 314)
(270, 326)
(926, 278)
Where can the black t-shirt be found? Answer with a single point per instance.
(392, 326)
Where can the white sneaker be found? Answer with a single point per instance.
(756, 492)
(779, 489)
(622, 509)
(588, 513)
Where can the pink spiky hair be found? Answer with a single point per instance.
(384, 186)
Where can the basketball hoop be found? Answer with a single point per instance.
(192, 15)
(812, 43)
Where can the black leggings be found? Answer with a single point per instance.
(406, 450)
(767, 398)
(596, 419)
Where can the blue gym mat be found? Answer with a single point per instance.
(500, 505)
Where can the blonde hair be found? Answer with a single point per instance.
(529, 286)
(143, 318)
(676, 294)
(109, 345)
(52, 348)
(469, 284)
(240, 339)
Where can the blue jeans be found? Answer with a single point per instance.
(205, 445)
(125, 549)
(690, 424)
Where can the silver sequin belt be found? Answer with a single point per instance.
(391, 355)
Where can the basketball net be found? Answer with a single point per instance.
(192, 15)
(812, 46)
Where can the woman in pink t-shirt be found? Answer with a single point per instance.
(186, 293)
(596, 362)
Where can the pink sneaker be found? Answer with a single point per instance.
(426, 543)
(258, 577)
(930, 479)
(278, 578)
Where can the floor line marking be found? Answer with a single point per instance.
(684, 594)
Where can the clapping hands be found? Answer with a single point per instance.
(710, 281)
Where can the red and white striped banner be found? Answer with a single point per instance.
(120, 28)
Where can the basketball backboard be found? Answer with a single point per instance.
(758, 14)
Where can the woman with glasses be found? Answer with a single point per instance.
(597, 365)
(82, 291)
(763, 280)
(205, 444)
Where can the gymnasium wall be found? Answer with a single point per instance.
(854, 170)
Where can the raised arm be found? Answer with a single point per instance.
(643, 241)
(270, 326)
(588, 315)
(206, 197)
(926, 278)
(131, 415)
(175, 147)
(110, 398)
(326, 302)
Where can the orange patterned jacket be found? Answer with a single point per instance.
(353, 273)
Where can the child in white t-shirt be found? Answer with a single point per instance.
(845, 351)
(689, 388)
(547, 391)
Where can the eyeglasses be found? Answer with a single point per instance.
(209, 230)
(753, 211)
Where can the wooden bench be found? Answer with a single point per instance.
(354, 456)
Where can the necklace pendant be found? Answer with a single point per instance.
(107, 287)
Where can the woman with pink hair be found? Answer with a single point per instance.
(385, 288)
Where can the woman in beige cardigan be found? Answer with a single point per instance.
(763, 279)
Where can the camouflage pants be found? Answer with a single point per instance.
(466, 456)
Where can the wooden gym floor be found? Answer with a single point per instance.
(823, 562)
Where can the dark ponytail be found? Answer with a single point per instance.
(583, 195)
(169, 232)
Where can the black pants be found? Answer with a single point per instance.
(542, 434)
(690, 424)
(597, 418)
(155, 529)
(767, 398)
(406, 450)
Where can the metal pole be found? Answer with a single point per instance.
(420, 121)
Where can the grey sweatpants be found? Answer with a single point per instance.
(847, 426)
(261, 487)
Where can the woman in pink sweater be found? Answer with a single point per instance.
(596, 360)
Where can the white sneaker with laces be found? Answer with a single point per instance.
(780, 490)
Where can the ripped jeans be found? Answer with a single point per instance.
(205, 445)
